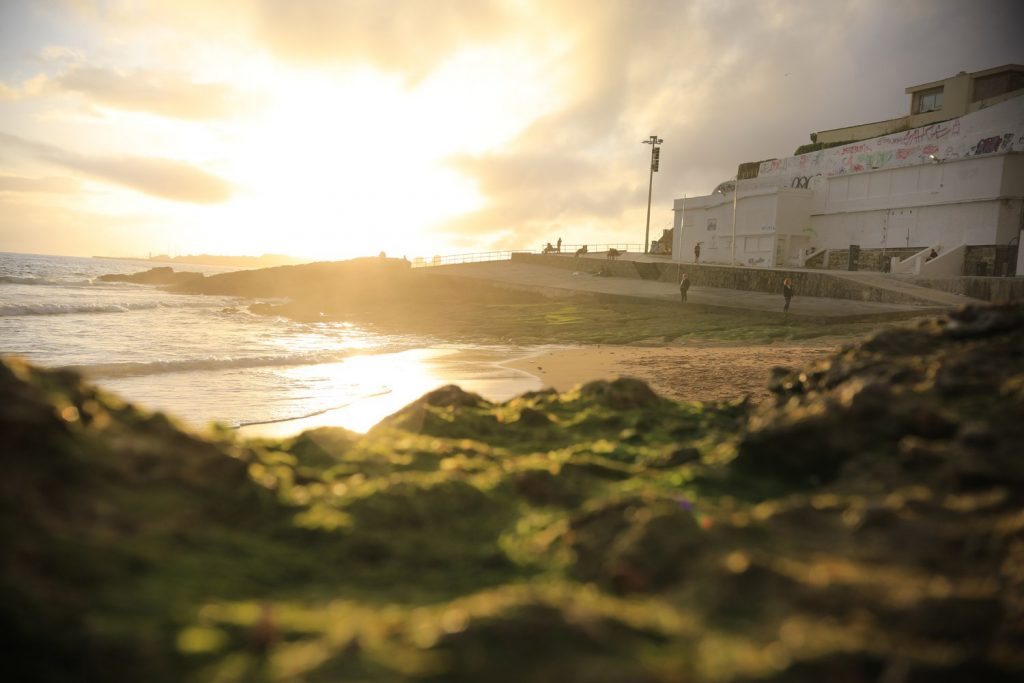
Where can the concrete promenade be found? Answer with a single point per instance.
(562, 281)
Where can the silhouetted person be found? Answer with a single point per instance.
(696, 252)
(558, 245)
(684, 287)
(787, 292)
(932, 254)
(582, 250)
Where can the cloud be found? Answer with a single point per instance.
(722, 83)
(157, 177)
(157, 92)
(396, 35)
(41, 185)
(53, 229)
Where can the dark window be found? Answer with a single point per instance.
(997, 84)
(929, 100)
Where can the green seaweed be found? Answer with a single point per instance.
(862, 525)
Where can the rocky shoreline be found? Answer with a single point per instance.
(864, 525)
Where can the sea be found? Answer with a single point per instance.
(204, 359)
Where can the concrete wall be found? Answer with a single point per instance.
(996, 129)
(883, 193)
(807, 283)
(875, 260)
(945, 225)
(991, 260)
(863, 131)
(996, 289)
(761, 214)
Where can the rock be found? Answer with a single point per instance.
(160, 275)
(864, 525)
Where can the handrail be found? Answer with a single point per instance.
(807, 256)
(478, 257)
(485, 256)
(595, 248)
(912, 264)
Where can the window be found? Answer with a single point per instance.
(929, 100)
(712, 224)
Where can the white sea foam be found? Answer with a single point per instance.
(53, 308)
(45, 281)
(157, 367)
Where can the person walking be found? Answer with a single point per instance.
(787, 293)
(696, 252)
(558, 245)
(684, 287)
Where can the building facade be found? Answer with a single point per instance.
(949, 185)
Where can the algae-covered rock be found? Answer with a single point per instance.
(864, 525)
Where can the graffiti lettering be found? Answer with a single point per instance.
(988, 145)
(936, 131)
(874, 159)
(802, 182)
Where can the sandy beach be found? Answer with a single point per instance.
(694, 372)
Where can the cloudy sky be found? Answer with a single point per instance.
(337, 128)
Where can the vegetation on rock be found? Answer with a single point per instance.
(866, 524)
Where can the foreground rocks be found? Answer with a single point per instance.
(867, 524)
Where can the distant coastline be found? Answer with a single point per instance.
(264, 261)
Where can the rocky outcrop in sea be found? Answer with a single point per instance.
(159, 275)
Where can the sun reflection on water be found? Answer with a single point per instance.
(360, 391)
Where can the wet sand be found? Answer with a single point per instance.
(694, 372)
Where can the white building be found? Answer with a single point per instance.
(955, 185)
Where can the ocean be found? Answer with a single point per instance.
(208, 359)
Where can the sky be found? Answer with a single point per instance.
(330, 129)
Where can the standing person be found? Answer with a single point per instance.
(787, 292)
(558, 247)
(696, 252)
(684, 287)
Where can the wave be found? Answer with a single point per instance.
(135, 369)
(15, 280)
(239, 425)
(11, 309)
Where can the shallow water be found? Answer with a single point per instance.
(206, 358)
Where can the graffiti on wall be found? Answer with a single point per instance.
(936, 131)
(994, 144)
(802, 182)
(999, 128)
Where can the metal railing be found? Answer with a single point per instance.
(484, 256)
(454, 259)
(595, 248)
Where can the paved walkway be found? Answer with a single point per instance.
(894, 284)
(561, 280)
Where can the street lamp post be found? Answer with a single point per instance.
(653, 141)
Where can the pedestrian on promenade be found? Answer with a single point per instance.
(558, 246)
(787, 292)
(696, 252)
(684, 287)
